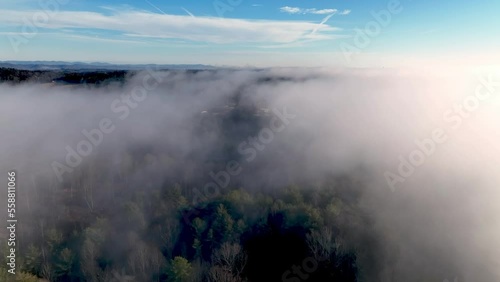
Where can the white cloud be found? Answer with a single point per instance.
(297, 10)
(291, 10)
(200, 29)
(322, 12)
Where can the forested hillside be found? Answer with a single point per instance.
(144, 212)
(157, 234)
(243, 175)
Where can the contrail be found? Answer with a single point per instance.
(322, 23)
(188, 12)
(154, 6)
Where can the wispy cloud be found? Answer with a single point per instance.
(131, 23)
(297, 10)
(291, 10)
(309, 39)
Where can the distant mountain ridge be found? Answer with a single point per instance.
(76, 66)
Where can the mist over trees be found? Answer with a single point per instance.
(242, 175)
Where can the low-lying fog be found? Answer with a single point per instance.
(424, 146)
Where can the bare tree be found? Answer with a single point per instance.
(220, 274)
(88, 260)
(145, 260)
(229, 261)
(321, 243)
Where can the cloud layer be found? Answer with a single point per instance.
(142, 24)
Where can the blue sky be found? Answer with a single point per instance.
(252, 33)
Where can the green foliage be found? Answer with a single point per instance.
(146, 236)
(180, 270)
(334, 208)
(199, 226)
(134, 215)
(64, 264)
(33, 259)
(223, 224)
(94, 235)
(54, 238)
(240, 226)
(293, 195)
(19, 276)
(241, 201)
(174, 196)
